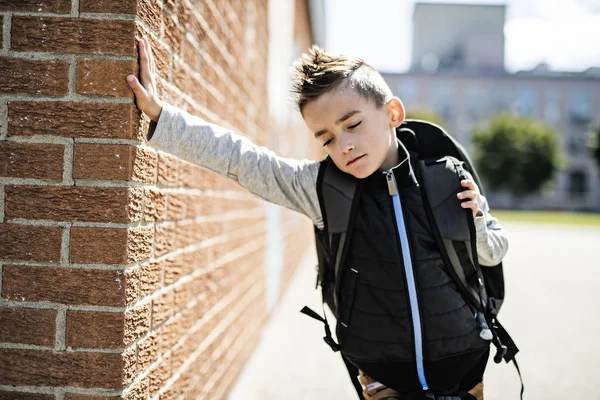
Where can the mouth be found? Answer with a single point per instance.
(354, 160)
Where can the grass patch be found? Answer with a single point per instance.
(550, 217)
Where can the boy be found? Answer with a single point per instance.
(437, 348)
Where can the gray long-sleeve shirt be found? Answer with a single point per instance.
(289, 182)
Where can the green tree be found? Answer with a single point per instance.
(517, 155)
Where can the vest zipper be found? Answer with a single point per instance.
(410, 277)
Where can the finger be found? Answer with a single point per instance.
(471, 194)
(470, 204)
(145, 74)
(468, 183)
(138, 90)
(151, 57)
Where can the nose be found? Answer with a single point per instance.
(346, 145)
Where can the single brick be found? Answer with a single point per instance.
(132, 285)
(73, 35)
(108, 6)
(165, 238)
(27, 325)
(137, 323)
(31, 243)
(148, 350)
(162, 58)
(74, 203)
(129, 365)
(25, 396)
(34, 77)
(167, 169)
(150, 277)
(176, 205)
(22, 367)
(150, 11)
(162, 308)
(155, 204)
(69, 119)
(63, 285)
(174, 35)
(110, 245)
(137, 392)
(105, 77)
(114, 162)
(95, 329)
(159, 375)
(31, 160)
(57, 6)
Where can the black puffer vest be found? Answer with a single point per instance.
(392, 313)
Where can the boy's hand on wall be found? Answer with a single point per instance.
(145, 92)
(471, 195)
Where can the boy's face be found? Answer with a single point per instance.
(359, 137)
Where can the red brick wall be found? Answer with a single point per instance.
(127, 273)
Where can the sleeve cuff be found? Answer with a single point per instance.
(480, 222)
(156, 129)
(151, 130)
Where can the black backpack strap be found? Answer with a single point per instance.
(338, 199)
(431, 141)
(327, 338)
(456, 236)
(514, 360)
(454, 231)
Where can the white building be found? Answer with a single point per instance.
(458, 71)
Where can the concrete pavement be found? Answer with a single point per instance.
(551, 312)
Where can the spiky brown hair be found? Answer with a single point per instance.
(317, 72)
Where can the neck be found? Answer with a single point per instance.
(393, 158)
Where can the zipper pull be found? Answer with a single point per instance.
(391, 185)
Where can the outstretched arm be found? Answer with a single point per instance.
(284, 181)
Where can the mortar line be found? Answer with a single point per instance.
(65, 245)
(1, 202)
(61, 328)
(75, 8)
(72, 75)
(58, 56)
(6, 31)
(3, 119)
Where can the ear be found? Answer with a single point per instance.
(397, 112)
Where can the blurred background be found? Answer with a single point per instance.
(461, 63)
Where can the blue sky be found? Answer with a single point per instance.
(563, 33)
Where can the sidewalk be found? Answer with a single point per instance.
(292, 361)
(552, 288)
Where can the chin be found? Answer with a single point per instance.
(360, 173)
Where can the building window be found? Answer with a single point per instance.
(407, 91)
(526, 103)
(552, 106)
(578, 143)
(578, 184)
(501, 100)
(477, 103)
(580, 107)
(442, 100)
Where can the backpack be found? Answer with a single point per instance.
(441, 164)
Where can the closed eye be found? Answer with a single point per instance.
(355, 125)
(328, 142)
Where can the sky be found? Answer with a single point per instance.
(565, 34)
